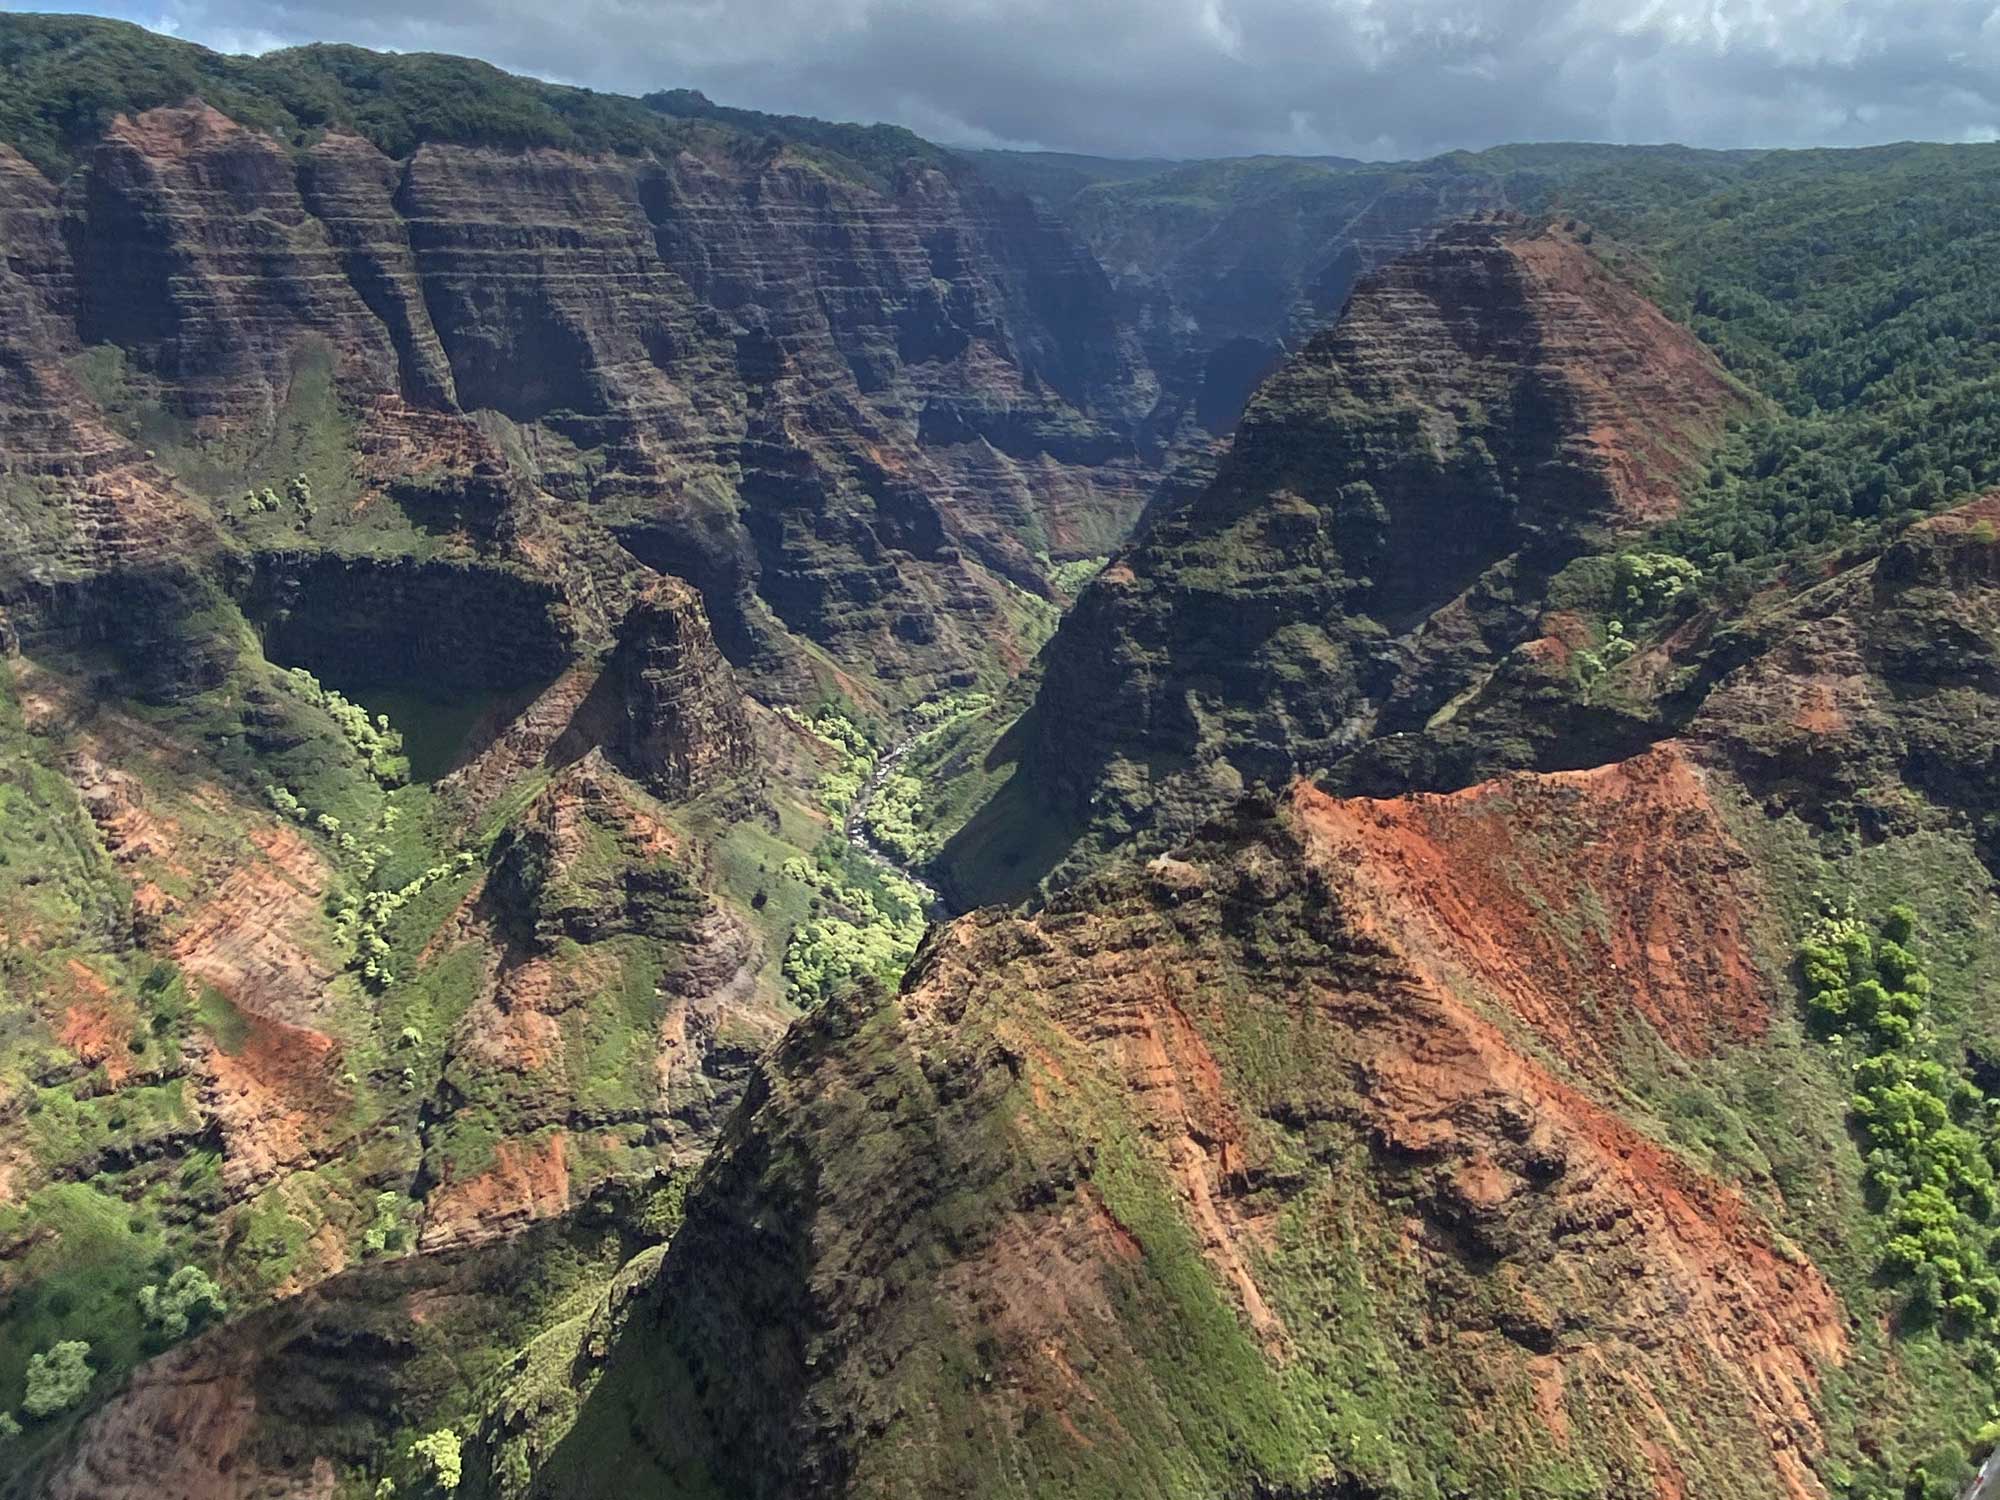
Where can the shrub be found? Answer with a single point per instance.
(1931, 1133)
(1647, 582)
(57, 1378)
(438, 1455)
(183, 1303)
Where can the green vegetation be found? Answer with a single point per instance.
(898, 819)
(434, 725)
(894, 819)
(379, 746)
(838, 788)
(1843, 286)
(438, 1457)
(854, 932)
(57, 1379)
(298, 497)
(362, 921)
(63, 79)
(1630, 592)
(84, 1257)
(1615, 650)
(390, 1230)
(1648, 582)
(362, 918)
(1933, 1136)
(183, 1303)
(1070, 577)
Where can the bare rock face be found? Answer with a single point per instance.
(681, 725)
(462, 624)
(1487, 409)
(96, 541)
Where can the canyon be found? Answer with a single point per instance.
(715, 803)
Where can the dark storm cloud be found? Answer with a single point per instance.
(1207, 77)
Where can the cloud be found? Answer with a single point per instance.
(1214, 77)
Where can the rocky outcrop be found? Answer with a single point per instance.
(681, 726)
(1859, 695)
(618, 1009)
(1334, 1101)
(97, 545)
(588, 860)
(1398, 494)
(289, 1402)
(195, 256)
(1873, 697)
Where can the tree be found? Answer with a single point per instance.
(438, 1455)
(1647, 582)
(187, 1300)
(58, 1378)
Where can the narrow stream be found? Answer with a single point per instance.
(857, 827)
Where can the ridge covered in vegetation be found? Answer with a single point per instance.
(63, 78)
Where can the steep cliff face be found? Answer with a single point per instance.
(1408, 1147)
(292, 1400)
(276, 1014)
(1857, 695)
(1382, 531)
(1319, 1158)
(846, 401)
(80, 501)
(1414, 1147)
(454, 622)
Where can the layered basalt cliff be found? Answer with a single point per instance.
(1858, 696)
(1428, 1144)
(1448, 1143)
(1382, 532)
(843, 400)
(456, 625)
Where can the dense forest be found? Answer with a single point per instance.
(66, 77)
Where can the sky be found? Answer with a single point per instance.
(1369, 78)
